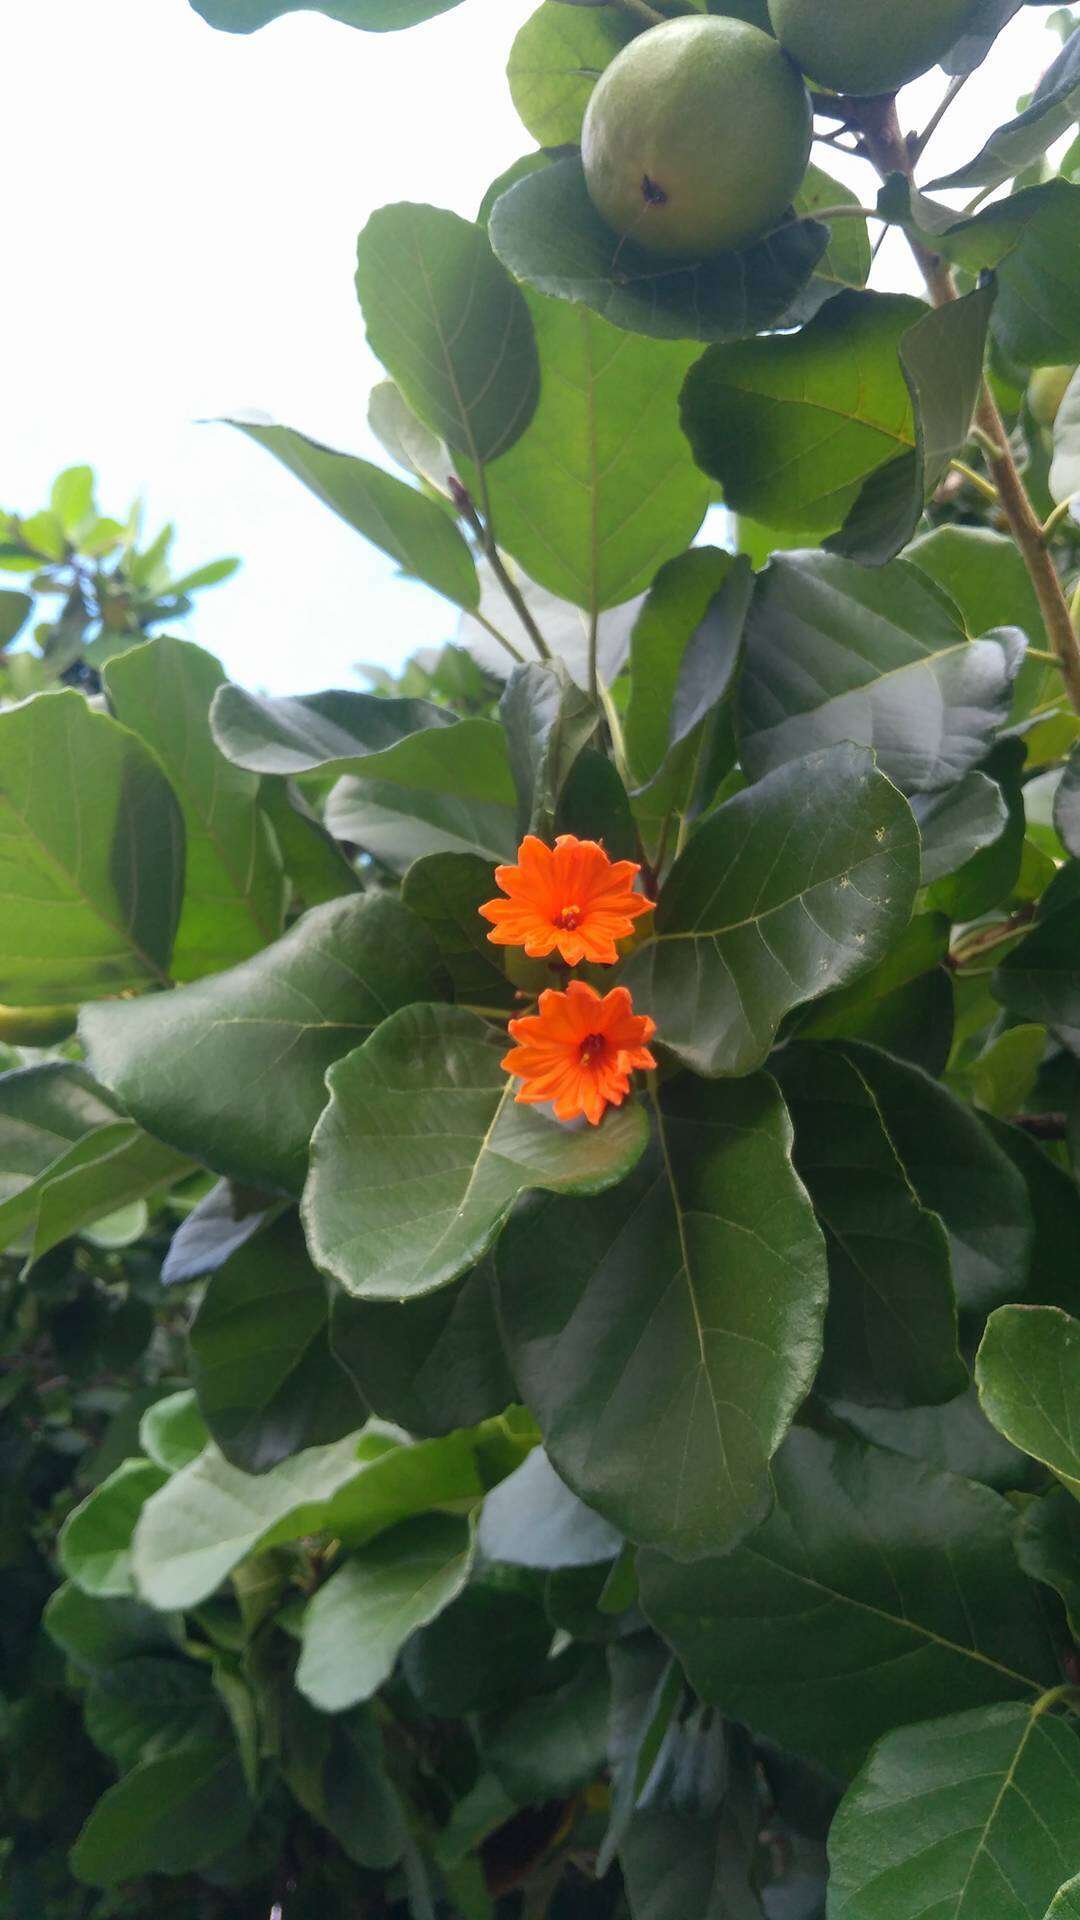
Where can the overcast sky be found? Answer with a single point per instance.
(181, 217)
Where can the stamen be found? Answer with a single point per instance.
(569, 919)
(592, 1047)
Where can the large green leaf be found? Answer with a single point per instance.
(1027, 239)
(957, 1437)
(423, 1151)
(665, 1336)
(335, 1769)
(1048, 1546)
(531, 1519)
(432, 1365)
(147, 1706)
(412, 529)
(234, 888)
(835, 651)
(374, 16)
(793, 887)
(1054, 1199)
(984, 575)
(1040, 978)
(555, 62)
(691, 1848)
(550, 235)
(91, 855)
(1028, 1370)
(316, 867)
(450, 326)
(356, 1625)
(210, 1516)
(548, 721)
(446, 891)
(890, 1334)
(94, 1547)
(267, 1382)
(1053, 109)
(399, 824)
(842, 1562)
(1066, 1903)
(965, 1817)
(97, 1634)
(904, 1004)
(204, 1067)
(601, 488)
(171, 1814)
(955, 1169)
(325, 733)
(847, 260)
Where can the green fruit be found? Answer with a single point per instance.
(1046, 392)
(697, 137)
(869, 46)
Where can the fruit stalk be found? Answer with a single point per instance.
(887, 148)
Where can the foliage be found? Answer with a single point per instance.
(418, 1507)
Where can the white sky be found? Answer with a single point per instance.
(181, 217)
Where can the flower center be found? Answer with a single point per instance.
(569, 918)
(593, 1047)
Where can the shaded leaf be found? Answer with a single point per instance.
(432, 1365)
(1040, 978)
(221, 1222)
(984, 575)
(234, 888)
(375, 16)
(147, 1706)
(173, 1431)
(890, 1331)
(1048, 1547)
(904, 1004)
(171, 1814)
(1054, 108)
(356, 1625)
(556, 1742)
(92, 867)
(531, 1519)
(791, 888)
(958, 823)
(422, 1153)
(446, 891)
(200, 1067)
(555, 62)
(548, 721)
(665, 1336)
(94, 1547)
(1026, 240)
(1067, 805)
(399, 824)
(335, 1768)
(267, 1381)
(323, 732)
(845, 1553)
(1028, 1373)
(549, 234)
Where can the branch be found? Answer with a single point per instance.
(890, 153)
(481, 527)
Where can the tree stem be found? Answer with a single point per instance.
(891, 153)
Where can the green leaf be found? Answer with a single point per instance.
(267, 1381)
(446, 891)
(211, 1516)
(955, 1169)
(1028, 1373)
(172, 1814)
(555, 62)
(147, 1706)
(991, 872)
(173, 1431)
(904, 1004)
(956, 824)
(335, 1768)
(556, 1742)
(450, 327)
(356, 1625)
(72, 497)
(601, 488)
(96, 1634)
(94, 1547)
(548, 721)
(1040, 978)
(665, 1336)
(531, 1519)
(793, 887)
(1066, 1904)
(223, 1220)
(15, 610)
(844, 1557)
(92, 863)
(565, 627)
(890, 1333)
(691, 1848)
(422, 1153)
(413, 530)
(549, 234)
(398, 824)
(835, 652)
(972, 1815)
(666, 638)
(234, 892)
(847, 259)
(985, 577)
(1065, 471)
(201, 1067)
(1026, 239)
(406, 439)
(957, 1438)
(1048, 1548)
(324, 733)
(316, 867)
(374, 16)
(1054, 110)
(432, 1365)
(44, 1111)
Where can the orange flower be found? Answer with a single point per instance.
(570, 896)
(580, 1050)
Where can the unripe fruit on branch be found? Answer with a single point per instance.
(697, 137)
(1046, 391)
(869, 46)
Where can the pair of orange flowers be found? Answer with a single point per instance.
(579, 1050)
